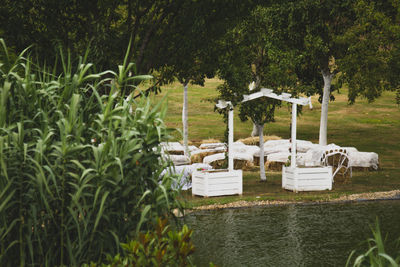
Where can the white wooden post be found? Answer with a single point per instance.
(220, 182)
(230, 138)
(294, 125)
(228, 104)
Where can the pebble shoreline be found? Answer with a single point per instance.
(394, 194)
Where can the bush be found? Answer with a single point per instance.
(161, 247)
(376, 254)
(79, 171)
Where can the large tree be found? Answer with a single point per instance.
(355, 39)
(189, 48)
(372, 64)
(252, 56)
(107, 25)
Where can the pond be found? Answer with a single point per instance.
(290, 235)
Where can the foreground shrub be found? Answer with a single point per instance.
(376, 254)
(160, 247)
(79, 171)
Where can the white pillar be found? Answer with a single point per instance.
(230, 139)
(185, 120)
(294, 122)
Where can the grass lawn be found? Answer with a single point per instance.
(372, 127)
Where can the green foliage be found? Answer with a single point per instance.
(376, 254)
(256, 50)
(371, 63)
(79, 171)
(160, 247)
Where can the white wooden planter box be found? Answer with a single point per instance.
(217, 183)
(307, 178)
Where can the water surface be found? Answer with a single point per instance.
(290, 235)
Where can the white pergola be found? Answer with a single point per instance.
(294, 178)
(264, 92)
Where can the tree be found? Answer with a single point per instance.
(331, 37)
(373, 63)
(189, 49)
(252, 56)
(107, 25)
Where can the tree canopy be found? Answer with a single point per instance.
(355, 41)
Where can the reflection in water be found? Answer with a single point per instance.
(292, 235)
(293, 232)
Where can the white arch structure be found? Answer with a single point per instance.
(294, 178)
(287, 98)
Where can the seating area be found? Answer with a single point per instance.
(209, 156)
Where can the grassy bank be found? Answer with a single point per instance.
(367, 126)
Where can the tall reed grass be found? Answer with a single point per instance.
(79, 171)
(376, 254)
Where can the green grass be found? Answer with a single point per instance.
(372, 127)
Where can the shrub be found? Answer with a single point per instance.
(376, 254)
(79, 171)
(160, 247)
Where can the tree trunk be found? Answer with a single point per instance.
(254, 132)
(323, 128)
(262, 167)
(185, 118)
(310, 104)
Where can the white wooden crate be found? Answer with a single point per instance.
(217, 183)
(307, 178)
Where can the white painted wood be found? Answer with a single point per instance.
(294, 125)
(261, 144)
(221, 105)
(217, 183)
(185, 120)
(283, 97)
(230, 139)
(307, 179)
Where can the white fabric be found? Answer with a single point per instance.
(215, 150)
(179, 159)
(300, 159)
(349, 149)
(272, 143)
(212, 158)
(239, 143)
(242, 148)
(212, 145)
(363, 159)
(243, 156)
(303, 146)
(185, 171)
(221, 156)
(313, 156)
(274, 149)
(193, 148)
(283, 146)
(172, 146)
(283, 157)
(279, 157)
